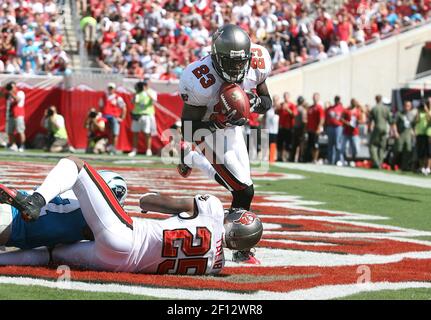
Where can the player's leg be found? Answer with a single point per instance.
(237, 167)
(194, 159)
(226, 152)
(78, 254)
(81, 254)
(237, 162)
(6, 219)
(33, 257)
(111, 226)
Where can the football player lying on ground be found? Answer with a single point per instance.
(61, 220)
(233, 60)
(191, 242)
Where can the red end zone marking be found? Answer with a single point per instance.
(280, 279)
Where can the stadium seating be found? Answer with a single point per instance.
(157, 39)
(31, 40)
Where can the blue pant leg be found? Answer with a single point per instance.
(331, 144)
(345, 140)
(355, 146)
(338, 143)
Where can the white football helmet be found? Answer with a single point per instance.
(116, 183)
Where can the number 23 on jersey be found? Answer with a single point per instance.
(205, 78)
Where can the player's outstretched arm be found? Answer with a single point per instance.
(164, 204)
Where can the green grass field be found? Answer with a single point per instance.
(405, 294)
(404, 206)
(17, 292)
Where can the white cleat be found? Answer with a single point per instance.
(132, 153)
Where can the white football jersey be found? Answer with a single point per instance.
(181, 244)
(200, 83)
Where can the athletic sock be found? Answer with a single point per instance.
(203, 164)
(60, 179)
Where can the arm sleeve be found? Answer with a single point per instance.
(209, 205)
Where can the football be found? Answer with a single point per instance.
(234, 102)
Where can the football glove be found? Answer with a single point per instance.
(220, 121)
(255, 101)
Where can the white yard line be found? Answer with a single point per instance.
(369, 174)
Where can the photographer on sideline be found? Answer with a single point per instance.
(57, 134)
(97, 137)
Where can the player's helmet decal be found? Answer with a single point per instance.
(243, 229)
(116, 183)
(235, 96)
(230, 53)
(246, 218)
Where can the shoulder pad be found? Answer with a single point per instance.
(261, 62)
(199, 83)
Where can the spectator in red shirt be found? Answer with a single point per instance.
(324, 27)
(334, 130)
(351, 118)
(315, 122)
(109, 36)
(114, 110)
(15, 112)
(344, 32)
(286, 111)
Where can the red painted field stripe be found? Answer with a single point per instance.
(289, 278)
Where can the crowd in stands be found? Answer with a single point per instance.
(344, 134)
(31, 41)
(157, 39)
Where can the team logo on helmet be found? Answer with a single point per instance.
(246, 218)
(235, 96)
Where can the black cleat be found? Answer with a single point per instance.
(245, 256)
(29, 206)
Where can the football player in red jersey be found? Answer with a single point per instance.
(233, 59)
